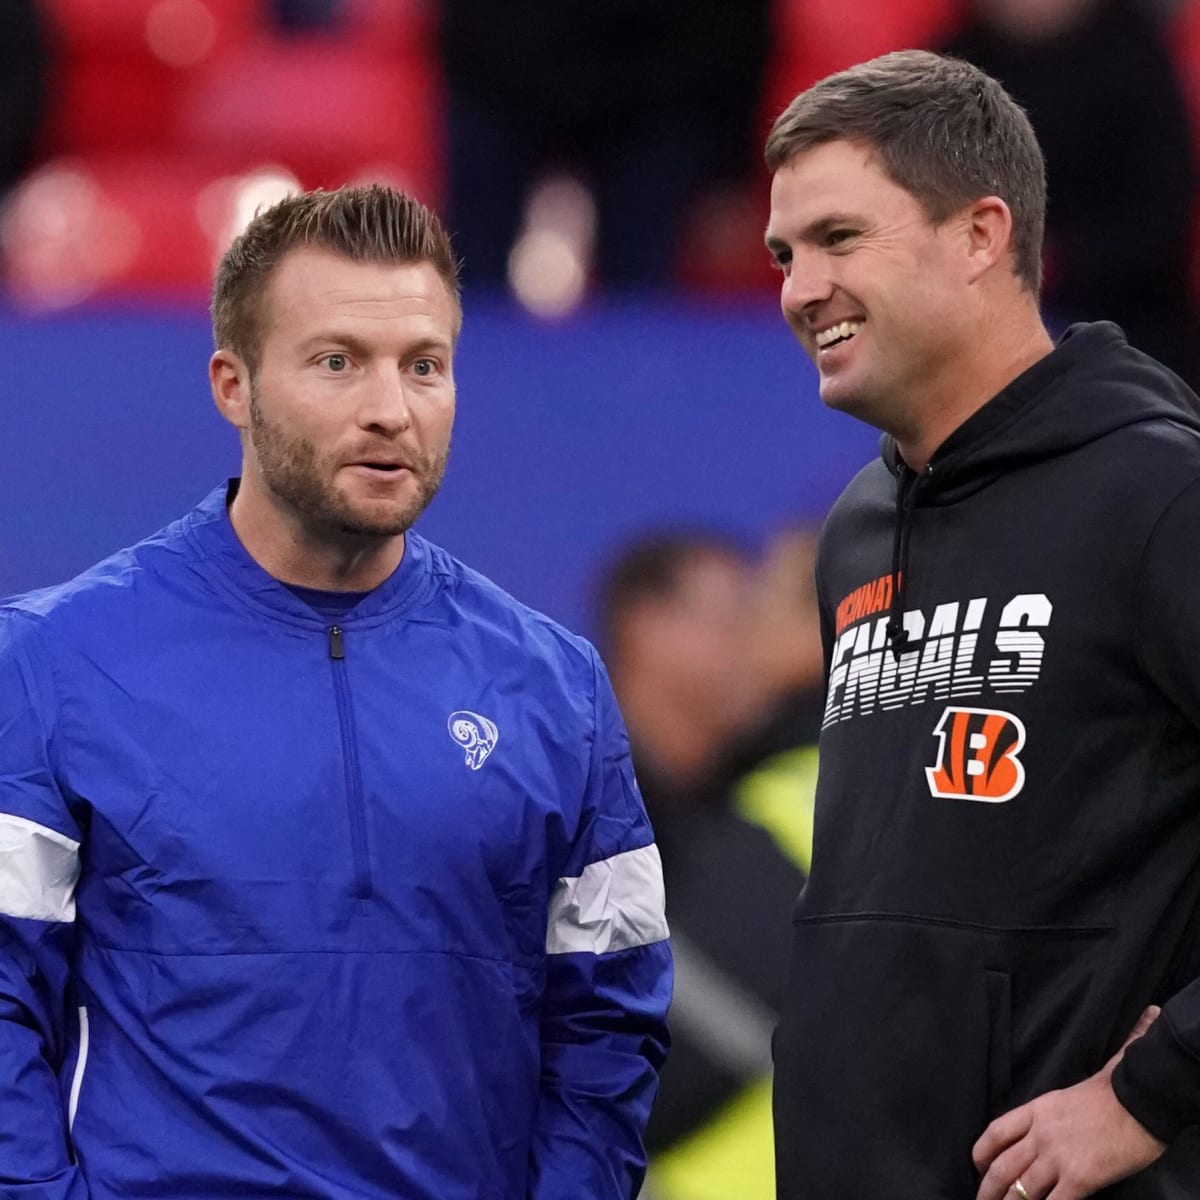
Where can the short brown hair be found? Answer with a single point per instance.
(943, 130)
(366, 224)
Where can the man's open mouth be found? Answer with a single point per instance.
(836, 334)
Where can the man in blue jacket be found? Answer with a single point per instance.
(323, 871)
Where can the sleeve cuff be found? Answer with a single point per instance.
(1158, 1081)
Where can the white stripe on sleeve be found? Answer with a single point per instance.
(39, 868)
(616, 904)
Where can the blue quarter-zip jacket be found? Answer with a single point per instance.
(291, 910)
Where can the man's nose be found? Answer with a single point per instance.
(805, 284)
(385, 405)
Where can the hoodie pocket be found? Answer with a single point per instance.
(999, 1010)
(895, 1033)
(902, 1038)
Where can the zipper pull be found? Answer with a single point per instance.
(336, 648)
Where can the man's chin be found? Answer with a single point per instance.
(378, 526)
(368, 517)
(846, 395)
(836, 395)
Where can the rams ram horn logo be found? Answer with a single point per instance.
(475, 734)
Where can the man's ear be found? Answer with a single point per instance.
(230, 380)
(989, 224)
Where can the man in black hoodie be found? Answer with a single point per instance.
(1005, 882)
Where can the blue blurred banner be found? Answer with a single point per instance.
(570, 438)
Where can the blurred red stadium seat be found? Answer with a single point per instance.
(180, 28)
(83, 228)
(814, 38)
(721, 249)
(329, 108)
(1185, 44)
(121, 66)
(407, 26)
(173, 119)
(207, 78)
(111, 104)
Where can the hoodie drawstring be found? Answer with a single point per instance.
(906, 493)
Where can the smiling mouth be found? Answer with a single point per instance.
(835, 335)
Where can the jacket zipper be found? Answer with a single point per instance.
(80, 1067)
(354, 790)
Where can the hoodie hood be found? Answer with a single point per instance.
(1034, 418)
(1111, 385)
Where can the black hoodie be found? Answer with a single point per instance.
(1006, 866)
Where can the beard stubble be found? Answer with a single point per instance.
(293, 471)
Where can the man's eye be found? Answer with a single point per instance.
(837, 236)
(424, 366)
(336, 362)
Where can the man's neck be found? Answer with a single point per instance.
(1005, 350)
(294, 553)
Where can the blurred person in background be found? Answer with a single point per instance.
(710, 653)
(1102, 91)
(323, 870)
(994, 987)
(646, 101)
(306, 16)
(785, 651)
(23, 85)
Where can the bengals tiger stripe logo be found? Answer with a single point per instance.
(977, 756)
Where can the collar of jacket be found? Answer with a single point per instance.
(226, 563)
(1091, 384)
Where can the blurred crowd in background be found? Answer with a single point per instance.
(584, 149)
(598, 144)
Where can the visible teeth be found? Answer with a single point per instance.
(837, 332)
